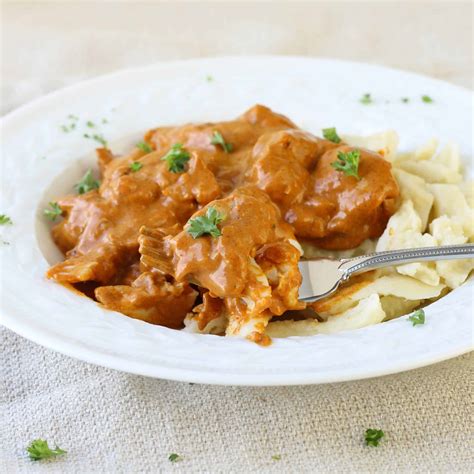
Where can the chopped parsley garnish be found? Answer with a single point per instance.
(173, 457)
(90, 124)
(405, 100)
(136, 166)
(206, 225)
(209, 78)
(97, 138)
(4, 219)
(366, 99)
(372, 437)
(71, 126)
(276, 457)
(418, 317)
(218, 139)
(144, 146)
(348, 163)
(427, 99)
(39, 449)
(176, 158)
(87, 183)
(331, 135)
(104, 120)
(68, 128)
(54, 212)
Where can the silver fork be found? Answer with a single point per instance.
(322, 276)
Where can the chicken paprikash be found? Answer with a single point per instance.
(202, 224)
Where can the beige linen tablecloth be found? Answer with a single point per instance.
(114, 422)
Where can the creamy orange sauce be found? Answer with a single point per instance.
(277, 185)
(221, 264)
(323, 205)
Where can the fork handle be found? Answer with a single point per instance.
(361, 264)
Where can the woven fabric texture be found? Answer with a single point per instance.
(113, 422)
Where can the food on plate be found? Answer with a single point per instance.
(202, 226)
(248, 263)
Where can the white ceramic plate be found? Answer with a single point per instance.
(41, 162)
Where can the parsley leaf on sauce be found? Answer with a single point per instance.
(276, 457)
(348, 163)
(331, 135)
(372, 437)
(206, 225)
(87, 183)
(366, 99)
(136, 166)
(144, 146)
(405, 100)
(218, 139)
(98, 138)
(4, 219)
(173, 457)
(54, 212)
(39, 449)
(418, 317)
(176, 158)
(427, 99)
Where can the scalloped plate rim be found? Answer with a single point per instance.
(51, 340)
